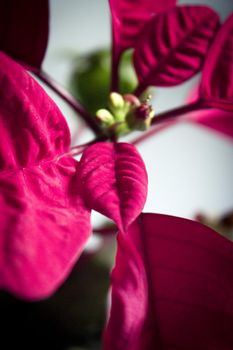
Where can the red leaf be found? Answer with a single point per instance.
(173, 45)
(24, 29)
(114, 180)
(171, 287)
(129, 17)
(217, 83)
(43, 221)
(216, 119)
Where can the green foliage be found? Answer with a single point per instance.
(90, 79)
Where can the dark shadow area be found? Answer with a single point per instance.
(73, 316)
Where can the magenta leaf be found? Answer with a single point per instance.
(128, 20)
(172, 47)
(24, 30)
(217, 84)
(171, 287)
(114, 181)
(43, 221)
(216, 119)
(129, 17)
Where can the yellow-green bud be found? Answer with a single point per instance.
(105, 117)
(116, 101)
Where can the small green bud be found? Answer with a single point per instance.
(116, 101)
(105, 117)
(117, 106)
(125, 114)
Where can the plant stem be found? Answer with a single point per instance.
(176, 112)
(78, 132)
(140, 89)
(105, 230)
(76, 150)
(115, 62)
(152, 131)
(66, 96)
(167, 118)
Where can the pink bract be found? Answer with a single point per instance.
(114, 181)
(217, 83)
(129, 17)
(173, 45)
(44, 222)
(216, 119)
(24, 30)
(128, 20)
(171, 287)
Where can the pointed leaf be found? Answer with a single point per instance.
(24, 30)
(171, 287)
(129, 17)
(43, 220)
(114, 181)
(172, 47)
(217, 83)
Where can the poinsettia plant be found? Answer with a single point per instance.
(172, 281)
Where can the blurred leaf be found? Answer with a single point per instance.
(129, 17)
(42, 222)
(214, 119)
(223, 224)
(90, 79)
(217, 84)
(171, 287)
(73, 318)
(24, 27)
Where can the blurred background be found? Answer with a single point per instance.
(190, 172)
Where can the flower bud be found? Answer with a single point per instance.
(132, 100)
(143, 112)
(117, 107)
(105, 117)
(116, 101)
(140, 116)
